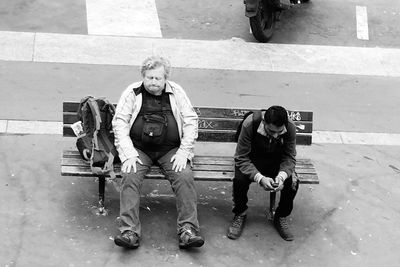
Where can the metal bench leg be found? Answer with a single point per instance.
(102, 186)
(271, 212)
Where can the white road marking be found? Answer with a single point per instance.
(362, 23)
(16, 46)
(3, 126)
(33, 127)
(123, 18)
(322, 137)
(326, 137)
(229, 54)
(370, 138)
(356, 138)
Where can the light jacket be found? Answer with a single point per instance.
(128, 108)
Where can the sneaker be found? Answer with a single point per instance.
(236, 227)
(128, 239)
(282, 226)
(189, 238)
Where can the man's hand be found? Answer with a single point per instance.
(178, 162)
(268, 183)
(130, 164)
(279, 180)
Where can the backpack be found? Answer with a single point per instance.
(256, 121)
(97, 143)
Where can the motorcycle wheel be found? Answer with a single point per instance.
(263, 23)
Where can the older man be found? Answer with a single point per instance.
(155, 123)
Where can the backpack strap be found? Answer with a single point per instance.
(96, 118)
(257, 117)
(110, 112)
(81, 104)
(109, 166)
(256, 120)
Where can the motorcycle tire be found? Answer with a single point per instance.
(263, 23)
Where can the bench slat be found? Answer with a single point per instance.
(206, 168)
(209, 123)
(215, 160)
(220, 136)
(75, 162)
(214, 136)
(211, 112)
(198, 175)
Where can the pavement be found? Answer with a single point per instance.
(52, 52)
(349, 219)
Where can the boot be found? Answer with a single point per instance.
(282, 226)
(190, 238)
(236, 227)
(128, 239)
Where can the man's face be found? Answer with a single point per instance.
(274, 130)
(154, 80)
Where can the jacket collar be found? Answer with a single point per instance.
(261, 130)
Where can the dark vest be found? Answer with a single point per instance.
(155, 104)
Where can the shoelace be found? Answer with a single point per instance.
(188, 232)
(237, 221)
(187, 235)
(283, 223)
(129, 235)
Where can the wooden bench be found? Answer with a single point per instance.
(215, 125)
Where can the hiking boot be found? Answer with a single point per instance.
(236, 227)
(282, 226)
(128, 239)
(189, 238)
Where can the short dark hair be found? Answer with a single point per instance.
(276, 115)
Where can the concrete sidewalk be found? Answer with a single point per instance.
(235, 54)
(350, 219)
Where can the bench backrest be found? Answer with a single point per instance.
(215, 124)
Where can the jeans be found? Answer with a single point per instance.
(241, 184)
(182, 184)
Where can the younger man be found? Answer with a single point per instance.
(265, 154)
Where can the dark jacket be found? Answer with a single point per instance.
(258, 152)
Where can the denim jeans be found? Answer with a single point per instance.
(182, 184)
(241, 184)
